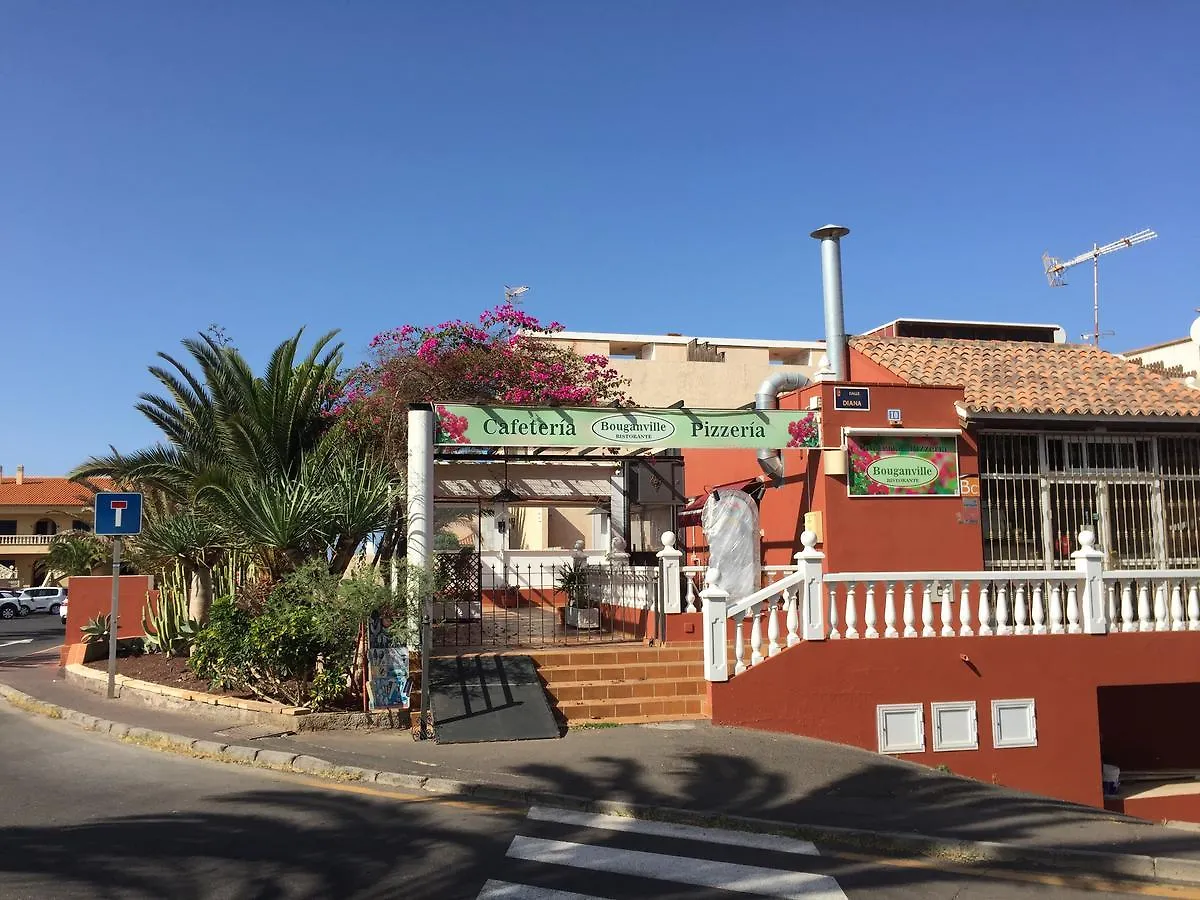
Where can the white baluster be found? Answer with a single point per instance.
(791, 602)
(985, 609)
(773, 627)
(1160, 608)
(739, 647)
(869, 612)
(833, 616)
(1073, 609)
(1112, 606)
(1002, 626)
(1145, 615)
(1056, 610)
(1177, 620)
(1021, 610)
(889, 612)
(756, 637)
(964, 611)
(946, 591)
(693, 599)
(927, 611)
(1039, 610)
(1128, 623)
(910, 621)
(1193, 608)
(851, 613)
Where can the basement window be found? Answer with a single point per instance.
(954, 726)
(901, 727)
(1014, 724)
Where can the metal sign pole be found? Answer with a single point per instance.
(112, 623)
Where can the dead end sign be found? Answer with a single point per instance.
(856, 399)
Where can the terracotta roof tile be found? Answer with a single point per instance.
(1034, 378)
(41, 491)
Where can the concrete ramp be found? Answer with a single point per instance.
(488, 697)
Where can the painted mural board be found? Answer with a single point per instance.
(388, 684)
(570, 426)
(882, 465)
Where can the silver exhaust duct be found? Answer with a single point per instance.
(831, 281)
(771, 461)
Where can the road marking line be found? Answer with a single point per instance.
(506, 890)
(679, 869)
(671, 830)
(14, 643)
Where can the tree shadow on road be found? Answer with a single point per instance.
(260, 844)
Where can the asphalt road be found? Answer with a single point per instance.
(86, 816)
(34, 632)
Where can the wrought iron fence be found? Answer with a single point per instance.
(547, 604)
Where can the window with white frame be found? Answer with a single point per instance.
(1014, 723)
(954, 726)
(901, 727)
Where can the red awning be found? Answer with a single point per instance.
(689, 516)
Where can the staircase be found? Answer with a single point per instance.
(625, 683)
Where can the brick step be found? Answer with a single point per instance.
(615, 654)
(651, 689)
(646, 720)
(659, 709)
(636, 671)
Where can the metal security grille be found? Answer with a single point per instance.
(1140, 494)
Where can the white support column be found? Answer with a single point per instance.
(419, 509)
(715, 605)
(1089, 562)
(668, 565)
(812, 593)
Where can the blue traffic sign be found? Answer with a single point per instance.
(118, 514)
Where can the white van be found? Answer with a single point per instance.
(44, 599)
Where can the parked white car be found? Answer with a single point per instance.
(44, 599)
(62, 611)
(11, 605)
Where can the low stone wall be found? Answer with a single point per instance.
(213, 706)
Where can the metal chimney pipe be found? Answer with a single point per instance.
(831, 281)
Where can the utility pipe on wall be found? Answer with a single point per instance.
(771, 461)
(831, 281)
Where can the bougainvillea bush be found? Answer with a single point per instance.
(502, 358)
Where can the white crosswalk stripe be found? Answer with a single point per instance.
(591, 854)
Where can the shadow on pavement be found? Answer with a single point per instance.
(264, 844)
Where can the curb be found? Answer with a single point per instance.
(1087, 865)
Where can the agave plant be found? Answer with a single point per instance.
(97, 629)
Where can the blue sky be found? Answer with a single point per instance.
(645, 167)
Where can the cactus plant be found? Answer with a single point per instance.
(167, 626)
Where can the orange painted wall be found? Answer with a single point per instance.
(896, 533)
(92, 595)
(829, 690)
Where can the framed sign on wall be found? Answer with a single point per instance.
(899, 463)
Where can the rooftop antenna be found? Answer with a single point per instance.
(512, 293)
(1055, 268)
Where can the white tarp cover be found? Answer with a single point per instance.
(730, 522)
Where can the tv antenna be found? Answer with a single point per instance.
(1055, 268)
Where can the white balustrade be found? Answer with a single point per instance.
(869, 611)
(812, 605)
(851, 614)
(927, 612)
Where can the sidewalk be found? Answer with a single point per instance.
(692, 766)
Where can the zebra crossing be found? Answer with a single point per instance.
(562, 854)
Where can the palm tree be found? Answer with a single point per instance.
(74, 553)
(249, 461)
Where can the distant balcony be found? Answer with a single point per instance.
(26, 540)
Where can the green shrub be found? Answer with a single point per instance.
(220, 653)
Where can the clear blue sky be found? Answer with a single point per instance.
(645, 167)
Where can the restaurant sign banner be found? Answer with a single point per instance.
(571, 426)
(883, 465)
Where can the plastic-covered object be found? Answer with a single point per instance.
(730, 522)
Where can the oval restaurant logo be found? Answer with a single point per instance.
(902, 471)
(633, 428)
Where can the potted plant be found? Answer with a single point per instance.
(572, 580)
